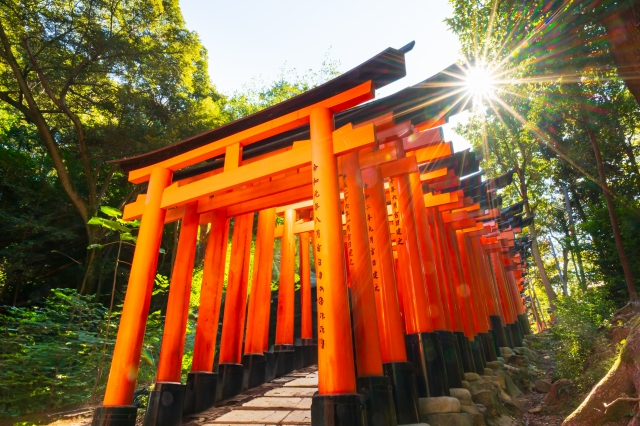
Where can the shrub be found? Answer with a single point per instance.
(582, 350)
(49, 353)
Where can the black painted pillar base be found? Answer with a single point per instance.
(494, 339)
(200, 393)
(298, 361)
(517, 329)
(425, 353)
(507, 332)
(255, 370)
(405, 391)
(499, 334)
(308, 347)
(229, 380)
(304, 353)
(451, 362)
(488, 346)
(117, 415)
(476, 352)
(524, 324)
(378, 397)
(338, 410)
(285, 359)
(314, 352)
(270, 366)
(165, 405)
(459, 354)
(465, 352)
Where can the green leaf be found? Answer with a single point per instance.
(110, 224)
(126, 236)
(110, 211)
(162, 250)
(94, 246)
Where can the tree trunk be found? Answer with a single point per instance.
(534, 239)
(622, 23)
(631, 287)
(575, 247)
(93, 265)
(622, 380)
(628, 149)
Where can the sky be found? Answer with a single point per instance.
(249, 39)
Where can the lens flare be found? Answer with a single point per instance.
(480, 82)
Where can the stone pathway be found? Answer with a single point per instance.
(283, 401)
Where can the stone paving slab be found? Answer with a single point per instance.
(304, 382)
(291, 391)
(284, 401)
(279, 402)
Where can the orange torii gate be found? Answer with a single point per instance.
(200, 196)
(360, 186)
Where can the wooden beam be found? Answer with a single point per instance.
(298, 228)
(287, 197)
(345, 139)
(344, 100)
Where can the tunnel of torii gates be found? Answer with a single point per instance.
(418, 273)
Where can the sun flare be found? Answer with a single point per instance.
(480, 82)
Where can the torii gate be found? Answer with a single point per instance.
(426, 319)
(316, 175)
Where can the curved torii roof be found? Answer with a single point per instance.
(433, 97)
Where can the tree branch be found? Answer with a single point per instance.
(104, 187)
(60, 103)
(43, 129)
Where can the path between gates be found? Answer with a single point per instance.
(283, 401)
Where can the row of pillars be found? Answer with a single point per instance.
(407, 299)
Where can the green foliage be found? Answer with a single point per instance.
(49, 353)
(555, 89)
(259, 95)
(579, 340)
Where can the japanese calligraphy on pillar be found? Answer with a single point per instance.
(347, 215)
(396, 220)
(317, 248)
(371, 232)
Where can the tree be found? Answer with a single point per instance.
(554, 81)
(621, 20)
(102, 79)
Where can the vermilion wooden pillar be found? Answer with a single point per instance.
(518, 310)
(126, 356)
(465, 297)
(441, 320)
(371, 382)
(483, 299)
(390, 323)
(306, 353)
(284, 350)
(336, 378)
(175, 328)
(424, 350)
(175, 324)
(201, 381)
(306, 325)
(480, 316)
(444, 268)
(230, 369)
(505, 297)
(254, 361)
(498, 321)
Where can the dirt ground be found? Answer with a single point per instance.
(555, 417)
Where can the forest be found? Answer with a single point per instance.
(83, 83)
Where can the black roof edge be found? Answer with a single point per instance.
(382, 69)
